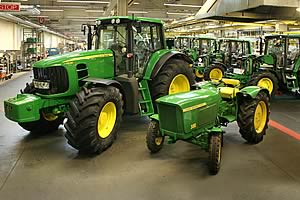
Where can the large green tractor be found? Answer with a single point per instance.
(201, 49)
(231, 51)
(277, 69)
(128, 68)
(197, 116)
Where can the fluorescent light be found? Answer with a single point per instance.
(136, 3)
(73, 1)
(298, 9)
(95, 11)
(39, 16)
(79, 17)
(137, 12)
(52, 10)
(182, 5)
(178, 13)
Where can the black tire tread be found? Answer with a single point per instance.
(245, 118)
(152, 133)
(81, 126)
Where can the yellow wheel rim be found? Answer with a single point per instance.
(158, 140)
(107, 119)
(260, 117)
(180, 83)
(266, 83)
(199, 74)
(49, 116)
(216, 74)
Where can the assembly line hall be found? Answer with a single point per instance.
(157, 99)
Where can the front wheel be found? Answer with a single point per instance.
(154, 139)
(46, 124)
(253, 117)
(94, 119)
(215, 153)
(214, 72)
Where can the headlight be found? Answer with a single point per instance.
(98, 22)
(113, 21)
(118, 21)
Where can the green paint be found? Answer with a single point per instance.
(193, 116)
(86, 65)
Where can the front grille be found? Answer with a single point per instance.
(57, 76)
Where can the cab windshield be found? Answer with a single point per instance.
(110, 37)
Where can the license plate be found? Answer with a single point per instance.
(238, 71)
(41, 85)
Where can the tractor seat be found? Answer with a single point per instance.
(228, 92)
(233, 82)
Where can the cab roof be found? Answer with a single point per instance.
(197, 37)
(283, 35)
(144, 19)
(235, 39)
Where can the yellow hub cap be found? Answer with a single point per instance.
(260, 117)
(107, 119)
(49, 116)
(199, 74)
(216, 74)
(158, 140)
(266, 83)
(180, 83)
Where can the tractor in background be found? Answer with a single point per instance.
(126, 68)
(201, 49)
(197, 116)
(230, 55)
(277, 69)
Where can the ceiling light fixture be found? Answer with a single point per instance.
(178, 13)
(182, 5)
(73, 1)
(137, 12)
(52, 10)
(95, 11)
(298, 9)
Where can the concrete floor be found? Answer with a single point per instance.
(47, 168)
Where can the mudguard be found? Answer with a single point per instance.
(251, 92)
(159, 58)
(101, 81)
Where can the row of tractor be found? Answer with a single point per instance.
(128, 69)
(277, 68)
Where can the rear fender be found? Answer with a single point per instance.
(220, 64)
(250, 92)
(159, 58)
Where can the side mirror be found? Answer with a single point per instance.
(83, 29)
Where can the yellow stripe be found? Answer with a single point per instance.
(194, 107)
(90, 57)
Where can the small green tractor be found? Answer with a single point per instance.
(128, 68)
(197, 116)
(230, 55)
(201, 49)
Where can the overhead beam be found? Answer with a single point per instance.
(121, 6)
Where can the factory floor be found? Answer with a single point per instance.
(46, 167)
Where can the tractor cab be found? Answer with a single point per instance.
(234, 52)
(132, 42)
(284, 49)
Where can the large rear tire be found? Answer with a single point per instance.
(94, 119)
(214, 72)
(175, 76)
(253, 117)
(265, 80)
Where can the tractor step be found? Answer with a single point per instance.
(146, 106)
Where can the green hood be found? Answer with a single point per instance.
(72, 57)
